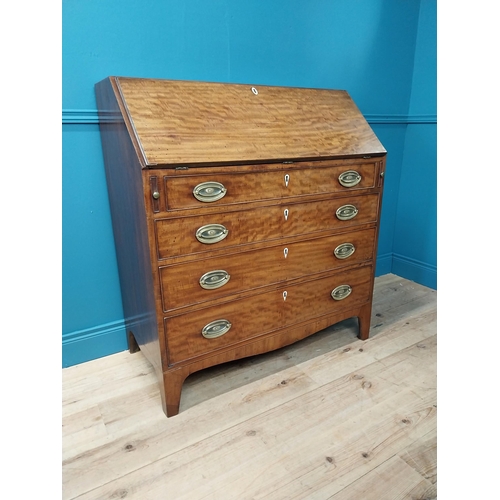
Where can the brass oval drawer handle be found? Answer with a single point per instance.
(346, 212)
(350, 178)
(216, 328)
(341, 292)
(344, 250)
(211, 233)
(214, 279)
(208, 192)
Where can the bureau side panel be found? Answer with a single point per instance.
(128, 213)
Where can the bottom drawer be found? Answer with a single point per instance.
(214, 328)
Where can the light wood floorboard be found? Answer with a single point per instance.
(330, 417)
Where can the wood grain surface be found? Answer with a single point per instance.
(182, 122)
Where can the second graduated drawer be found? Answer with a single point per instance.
(211, 279)
(183, 236)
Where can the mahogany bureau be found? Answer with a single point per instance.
(245, 217)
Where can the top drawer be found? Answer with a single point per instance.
(199, 191)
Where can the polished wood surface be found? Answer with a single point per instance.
(330, 417)
(130, 229)
(176, 236)
(246, 187)
(260, 268)
(280, 217)
(184, 122)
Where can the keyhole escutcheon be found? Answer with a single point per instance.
(287, 180)
(285, 252)
(284, 295)
(285, 213)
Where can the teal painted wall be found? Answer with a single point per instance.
(415, 229)
(371, 48)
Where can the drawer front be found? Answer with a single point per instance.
(237, 273)
(181, 286)
(243, 319)
(318, 255)
(248, 318)
(304, 218)
(236, 188)
(199, 191)
(313, 298)
(311, 181)
(176, 237)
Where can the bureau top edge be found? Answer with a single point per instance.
(250, 162)
(175, 123)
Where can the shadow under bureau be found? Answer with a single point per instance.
(245, 217)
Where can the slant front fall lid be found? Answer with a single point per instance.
(183, 122)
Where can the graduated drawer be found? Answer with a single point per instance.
(178, 236)
(214, 278)
(243, 319)
(197, 191)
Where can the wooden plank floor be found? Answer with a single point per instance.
(331, 417)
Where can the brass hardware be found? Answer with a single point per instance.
(346, 212)
(208, 192)
(349, 178)
(285, 252)
(214, 279)
(255, 91)
(216, 328)
(155, 193)
(287, 180)
(341, 292)
(381, 174)
(211, 233)
(285, 213)
(344, 250)
(285, 295)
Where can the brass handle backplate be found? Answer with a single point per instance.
(346, 212)
(350, 178)
(216, 328)
(208, 192)
(344, 250)
(211, 233)
(341, 292)
(214, 279)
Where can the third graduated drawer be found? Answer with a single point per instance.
(203, 332)
(210, 279)
(182, 236)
